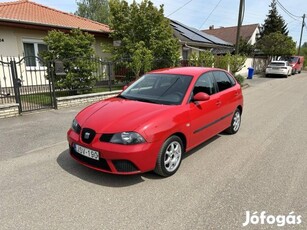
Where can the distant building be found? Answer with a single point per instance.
(229, 34)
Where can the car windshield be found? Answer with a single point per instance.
(159, 88)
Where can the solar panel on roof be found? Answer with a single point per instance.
(197, 35)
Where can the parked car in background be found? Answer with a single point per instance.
(297, 64)
(153, 122)
(281, 68)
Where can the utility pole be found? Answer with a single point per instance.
(303, 24)
(239, 26)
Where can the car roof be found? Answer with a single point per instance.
(191, 71)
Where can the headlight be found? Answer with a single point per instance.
(75, 126)
(127, 138)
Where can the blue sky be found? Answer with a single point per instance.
(201, 14)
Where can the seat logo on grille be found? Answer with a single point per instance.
(87, 135)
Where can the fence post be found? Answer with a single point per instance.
(110, 75)
(52, 82)
(16, 84)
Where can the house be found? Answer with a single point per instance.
(229, 34)
(24, 24)
(249, 33)
(193, 40)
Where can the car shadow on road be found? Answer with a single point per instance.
(66, 162)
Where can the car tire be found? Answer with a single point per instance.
(235, 122)
(169, 158)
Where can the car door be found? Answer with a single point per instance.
(204, 114)
(228, 95)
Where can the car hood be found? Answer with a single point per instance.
(118, 115)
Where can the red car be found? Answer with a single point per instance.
(152, 123)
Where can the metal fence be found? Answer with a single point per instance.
(22, 83)
(34, 83)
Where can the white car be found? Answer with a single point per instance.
(279, 68)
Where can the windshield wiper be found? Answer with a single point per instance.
(145, 100)
(121, 96)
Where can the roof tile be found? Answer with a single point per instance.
(26, 11)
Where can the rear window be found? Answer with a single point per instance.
(277, 64)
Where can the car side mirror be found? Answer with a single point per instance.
(201, 96)
(125, 87)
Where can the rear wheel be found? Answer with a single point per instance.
(169, 157)
(235, 122)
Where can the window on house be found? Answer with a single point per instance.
(185, 54)
(32, 50)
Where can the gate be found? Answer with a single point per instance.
(28, 82)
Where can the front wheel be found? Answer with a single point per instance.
(169, 157)
(235, 122)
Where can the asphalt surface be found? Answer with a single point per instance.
(261, 168)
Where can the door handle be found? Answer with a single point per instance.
(218, 103)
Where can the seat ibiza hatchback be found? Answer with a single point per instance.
(153, 122)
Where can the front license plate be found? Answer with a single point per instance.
(87, 152)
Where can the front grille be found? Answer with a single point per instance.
(87, 135)
(124, 166)
(101, 164)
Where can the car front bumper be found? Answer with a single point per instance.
(116, 158)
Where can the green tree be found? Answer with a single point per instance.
(142, 28)
(274, 22)
(96, 10)
(245, 48)
(276, 44)
(75, 51)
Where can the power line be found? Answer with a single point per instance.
(210, 14)
(179, 8)
(287, 11)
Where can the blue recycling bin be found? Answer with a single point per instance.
(250, 73)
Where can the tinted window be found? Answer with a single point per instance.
(278, 64)
(222, 80)
(205, 84)
(233, 82)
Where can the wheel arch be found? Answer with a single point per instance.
(182, 137)
(240, 108)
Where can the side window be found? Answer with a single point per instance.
(205, 84)
(222, 80)
(233, 82)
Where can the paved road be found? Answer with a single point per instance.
(261, 168)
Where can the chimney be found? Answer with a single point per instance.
(211, 27)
